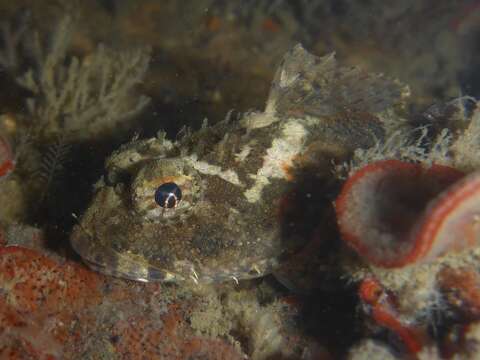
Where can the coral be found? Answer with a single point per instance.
(414, 226)
(141, 338)
(419, 220)
(28, 277)
(55, 309)
(416, 200)
(140, 322)
(382, 308)
(81, 98)
(39, 298)
(387, 234)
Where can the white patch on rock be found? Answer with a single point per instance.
(279, 156)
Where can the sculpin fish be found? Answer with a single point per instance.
(234, 200)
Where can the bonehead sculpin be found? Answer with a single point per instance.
(233, 200)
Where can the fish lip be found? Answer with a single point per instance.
(140, 273)
(198, 276)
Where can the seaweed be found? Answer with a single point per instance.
(12, 37)
(84, 97)
(52, 165)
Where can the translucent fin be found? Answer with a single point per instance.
(317, 86)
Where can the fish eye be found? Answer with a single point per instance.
(168, 195)
(166, 190)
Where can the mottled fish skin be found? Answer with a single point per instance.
(250, 188)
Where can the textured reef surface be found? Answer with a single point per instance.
(341, 220)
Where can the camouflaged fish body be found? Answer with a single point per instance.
(248, 186)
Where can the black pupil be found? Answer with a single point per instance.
(168, 195)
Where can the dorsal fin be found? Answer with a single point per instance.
(317, 86)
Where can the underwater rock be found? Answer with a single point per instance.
(147, 340)
(57, 309)
(39, 300)
(245, 185)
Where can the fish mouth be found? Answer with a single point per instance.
(130, 269)
(126, 266)
(150, 274)
(126, 263)
(154, 274)
(137, 268)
